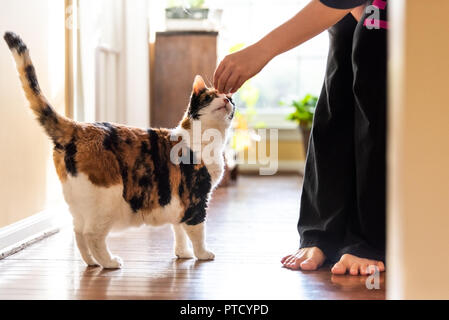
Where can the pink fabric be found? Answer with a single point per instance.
(375, 22)
(381, 4)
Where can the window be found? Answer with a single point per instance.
(290, 75)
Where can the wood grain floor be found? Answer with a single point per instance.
(250, 227)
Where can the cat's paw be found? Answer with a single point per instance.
(205, 255)
(184, 253)
(115, 263)
(91, 262)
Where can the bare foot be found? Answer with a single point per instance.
(306, 259)
(355, 265)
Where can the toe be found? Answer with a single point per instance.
(372, 268)
(295, 263)
(288, 260)
(364, 269)
(285, 258)
(338, 268)
(354, 270)
(309, 265)
(381, 266)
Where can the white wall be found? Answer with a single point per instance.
(28, 182)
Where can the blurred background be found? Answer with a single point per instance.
(133, 62)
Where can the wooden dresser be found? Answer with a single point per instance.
(177, 57)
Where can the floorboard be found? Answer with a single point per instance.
(251, 225)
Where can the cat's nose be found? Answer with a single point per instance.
(226, 100)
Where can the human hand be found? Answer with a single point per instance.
(238, 67)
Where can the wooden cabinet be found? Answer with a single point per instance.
(177, 57)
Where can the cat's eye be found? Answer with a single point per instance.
(208, 99)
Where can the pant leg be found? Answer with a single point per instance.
(366, 228)
(328, 192)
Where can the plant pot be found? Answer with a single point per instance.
(305, 131)
(183, 13)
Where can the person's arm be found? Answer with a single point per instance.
(238, 67)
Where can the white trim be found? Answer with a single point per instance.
(23, 233)
(290, 134)
(283, 166)
(272, 118)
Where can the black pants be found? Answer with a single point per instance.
(344, 190)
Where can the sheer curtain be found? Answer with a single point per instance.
(112, 80)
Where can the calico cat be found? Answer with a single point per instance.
(114, 176)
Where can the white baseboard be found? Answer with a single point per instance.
(23, 233)
(282, 166)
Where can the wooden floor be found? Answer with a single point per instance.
(250, 227)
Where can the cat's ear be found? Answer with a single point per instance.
(198, 84)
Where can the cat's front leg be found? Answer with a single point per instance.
(197, 234)
(182, 250)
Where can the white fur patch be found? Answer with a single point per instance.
(95, 205)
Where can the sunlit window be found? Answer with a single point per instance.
(290, 75)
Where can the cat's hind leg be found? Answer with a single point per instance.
(95, 235)
(78, 224)
(84, 250)
(197, 235)
(182, 250)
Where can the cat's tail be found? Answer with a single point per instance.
(58, 127)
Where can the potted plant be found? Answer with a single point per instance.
(190, 10)
(303, 113)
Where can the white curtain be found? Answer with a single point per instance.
(112, 56)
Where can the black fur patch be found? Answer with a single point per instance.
(136, 203)
(198, 184)
(194, 215)
(187, 170)
(111, 143)
(32, 80)
(58, 146)
(145, 181)
(231, 116)
(111, 140)
(48, 116)
(140, 173)
(49, 121)
(124, 174)
(69, 158)
(181, 189)
(14, 42)
(199, 101)
(161, 172)
(142, 176)
(202, 185)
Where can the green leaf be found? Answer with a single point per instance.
(304, 109)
